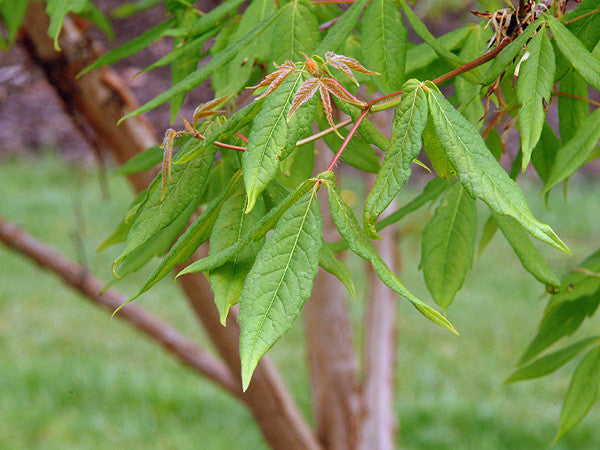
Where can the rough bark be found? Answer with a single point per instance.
(380, 355)
(101, 98)
(331, 358)
(91, 287)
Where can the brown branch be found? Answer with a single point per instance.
(578, 97)
(89, 286)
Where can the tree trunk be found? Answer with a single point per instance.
(101, 97)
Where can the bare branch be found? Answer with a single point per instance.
(91, 287)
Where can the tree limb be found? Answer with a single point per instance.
(91, 287)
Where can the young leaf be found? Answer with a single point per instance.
(527, 253)
(584, 62)
(280, 281)
(225, 131)
(449, 244)
(480, 173)
(576, 152)
(535, 83)
(582, 392)
(342, 29)
(549, 363)
(384, 44)
(268, 139)
(298, 31)
(572, 111)
(359, 243)
(409, 121)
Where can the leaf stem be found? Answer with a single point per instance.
(362, 115)
(221, 144)
(568, 22)
(320, 134)
(578, 97)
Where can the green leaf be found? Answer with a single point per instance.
(432, 191)
(549, 363)
(534, 85)
(231, 225)
(337, 268)
(469, 102)
(240, 67)
(298, 166)
(298, 31)
(142, 161)
(420, 28)
(582, 392)
(169, 216)
(280, 281)
(131, 47)
(435, 152)
(408, 125)
(268, 138)
(560, 321)
(359, 243)
(341, 30)
(584, 62)
(576, 152)
(544, 153)
(384, 44)
(449, 244)
(509, 53)
(578, 283)
(586, 28)
(58, 9)
(131, 8)
(215, 17)
(422, 55)
(196, 234)
(572, 111)
(217, 259)
(217, 62)
(480, 173)
(487, 233)
(528, 254)
(12, 14)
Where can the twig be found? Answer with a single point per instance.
(568, 22)
(320, 134)
(71, 273)
(363, 114)
(324, 26)
(578, 97)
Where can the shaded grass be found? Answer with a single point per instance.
(72, 377)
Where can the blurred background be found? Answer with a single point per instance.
(72, 377)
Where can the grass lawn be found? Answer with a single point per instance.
(72, 377)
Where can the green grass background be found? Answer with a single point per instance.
(72, 377)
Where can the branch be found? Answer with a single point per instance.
(77, 278)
